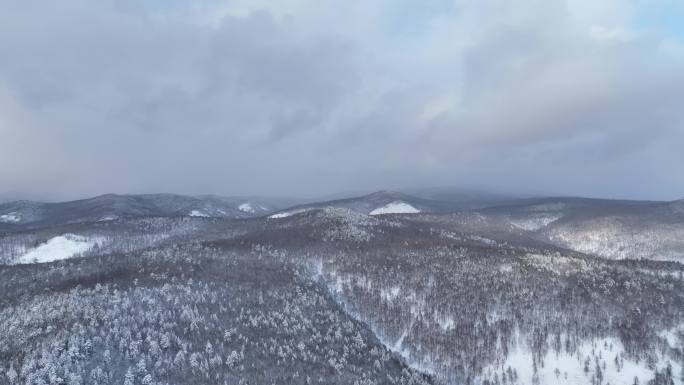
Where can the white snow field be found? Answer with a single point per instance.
(286, 214)
(58, 248)
(535, 222)
(108, 218)
(602, 358)
(197, 213)
(12, 217)
(246, 207)
(280, 215)
(396, 207)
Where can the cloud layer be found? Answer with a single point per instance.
(310, 97)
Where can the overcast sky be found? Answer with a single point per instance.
(293, 97)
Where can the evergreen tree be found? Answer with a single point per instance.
(129, 378)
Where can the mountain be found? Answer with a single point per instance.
(333, 295)
(253, 206)
(30, 214)
(615, 229)
(377, 203)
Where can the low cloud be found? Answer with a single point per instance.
(308, 98)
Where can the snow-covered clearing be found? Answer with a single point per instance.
(286, 214)
(246, 207)
(12, 217)
(602, 358)
(108, 218)
(396, 207)
(535, 222)
(281, 215)
(58, 248)
(672, 336)
(197, 213)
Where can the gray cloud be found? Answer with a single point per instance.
(307, 98)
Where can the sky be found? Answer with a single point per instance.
(305, 98)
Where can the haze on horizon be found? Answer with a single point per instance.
(307, 98)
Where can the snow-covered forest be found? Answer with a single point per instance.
(341, 192)
(332, 295)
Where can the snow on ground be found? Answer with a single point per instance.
(246, 207)
(396, 207)
(446, 322)
(197, 213)
(548, 207)
(286, 214)
(12, 217)
(336, 285)
(610, 237)
(281, 215)
(480, 239)
(535, 222)
(391, 294)
(58, 248)
(557, 263)
(602, 357)
(672, 336)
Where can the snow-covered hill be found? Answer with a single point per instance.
(381, 202)
(27, 214)
(396, 207)
(610, 229)
(479, 297)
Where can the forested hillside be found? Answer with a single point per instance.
(330, 296)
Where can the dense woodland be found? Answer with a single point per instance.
(182, 316)
(332, 296)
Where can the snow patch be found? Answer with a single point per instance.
(602, 358)
(535, 222)
(108, 218)
(12, 217)
(672, 336)
(281, 215)
(197, 213)
(391, 294)
(286, 214)
(446, 322)
(246, 207)
(396, 207)
(58, 248)
(484, 240)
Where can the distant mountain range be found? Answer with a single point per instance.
(387, 288)
(381, 202)
(30, 214)
(615, 229)
(24, 214)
